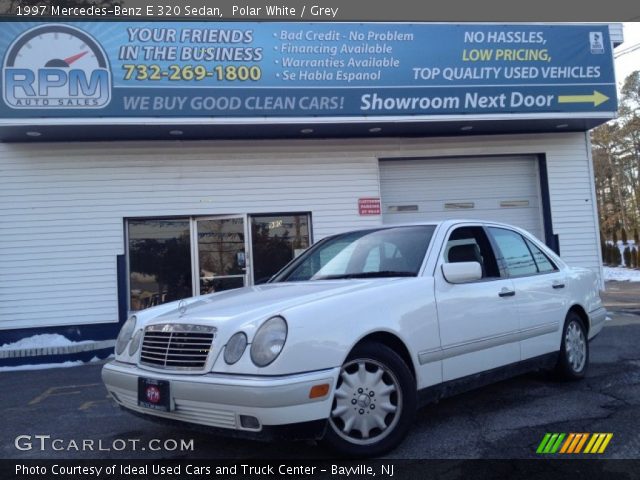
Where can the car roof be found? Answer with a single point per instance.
(443, 223)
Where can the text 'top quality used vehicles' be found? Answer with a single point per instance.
(353, 335)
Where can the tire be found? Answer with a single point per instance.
(376, 391)
(574, 349)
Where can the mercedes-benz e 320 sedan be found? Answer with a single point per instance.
(353, 335)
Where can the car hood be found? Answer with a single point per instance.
(256, 303)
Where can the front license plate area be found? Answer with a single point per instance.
(154, 394)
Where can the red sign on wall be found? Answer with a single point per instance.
(369, 206)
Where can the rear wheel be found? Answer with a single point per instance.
(574, 350)
(374, 402)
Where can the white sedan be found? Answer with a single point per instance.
(353, 335)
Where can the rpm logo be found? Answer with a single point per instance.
(56, 67)
(153, 394)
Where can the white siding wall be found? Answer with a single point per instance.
(62, 208)
(62, 205)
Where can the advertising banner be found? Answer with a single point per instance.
(269, 69)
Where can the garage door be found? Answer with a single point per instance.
(504, 189)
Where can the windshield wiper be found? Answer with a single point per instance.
(383, 273)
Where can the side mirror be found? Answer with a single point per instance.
(462, 272)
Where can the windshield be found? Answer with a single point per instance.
(386, 252)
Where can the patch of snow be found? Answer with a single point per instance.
(620, 274)
(43, 340)
(46, 366)
(630, 242)
(621, 247)
(96, 359)
(42, 366)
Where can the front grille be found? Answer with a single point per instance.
(177, 346)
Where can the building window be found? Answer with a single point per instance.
(275, 241)
(221, 254)
(159, 262)
(163, 254)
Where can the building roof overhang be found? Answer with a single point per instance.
(74, 129)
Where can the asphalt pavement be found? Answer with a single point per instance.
(52, 413)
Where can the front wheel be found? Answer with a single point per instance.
(574, 350)
(374, 402)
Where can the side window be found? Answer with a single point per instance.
(542, 261)
(470, 244)
(515, 252)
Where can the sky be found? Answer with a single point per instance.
(626, 64)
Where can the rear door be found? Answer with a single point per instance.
(540, 291)
(479, 322)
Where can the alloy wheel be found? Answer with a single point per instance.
(367, 403)
(575, 346)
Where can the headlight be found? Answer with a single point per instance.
(125, 334)
(135, 343)
(235, 348)
(268, 341)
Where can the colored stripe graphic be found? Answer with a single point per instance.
(573, 443)
(603, 447)
(543, 443)
(579, 437)
(567, 443)
(551, 443)
(580, 443)
(594, 437)
(599, 443)
(556, 446)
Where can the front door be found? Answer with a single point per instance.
(479, 321)
(220, 254)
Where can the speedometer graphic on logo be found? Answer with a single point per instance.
(56, 66)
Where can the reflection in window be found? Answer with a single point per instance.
(380, 256)
(159, 262)
(276, 240)
(400, 252)
(221, 254)
(515, 251)
(543, 263)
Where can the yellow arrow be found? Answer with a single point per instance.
(597, 98)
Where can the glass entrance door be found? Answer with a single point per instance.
(220, 254)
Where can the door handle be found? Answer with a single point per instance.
(505, 292)
(558, 285)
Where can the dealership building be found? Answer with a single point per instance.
(143, 163)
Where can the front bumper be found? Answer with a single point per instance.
(218, 400)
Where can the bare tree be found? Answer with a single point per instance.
(616, 158)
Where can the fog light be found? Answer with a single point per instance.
(318, 391)
(248, 421)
